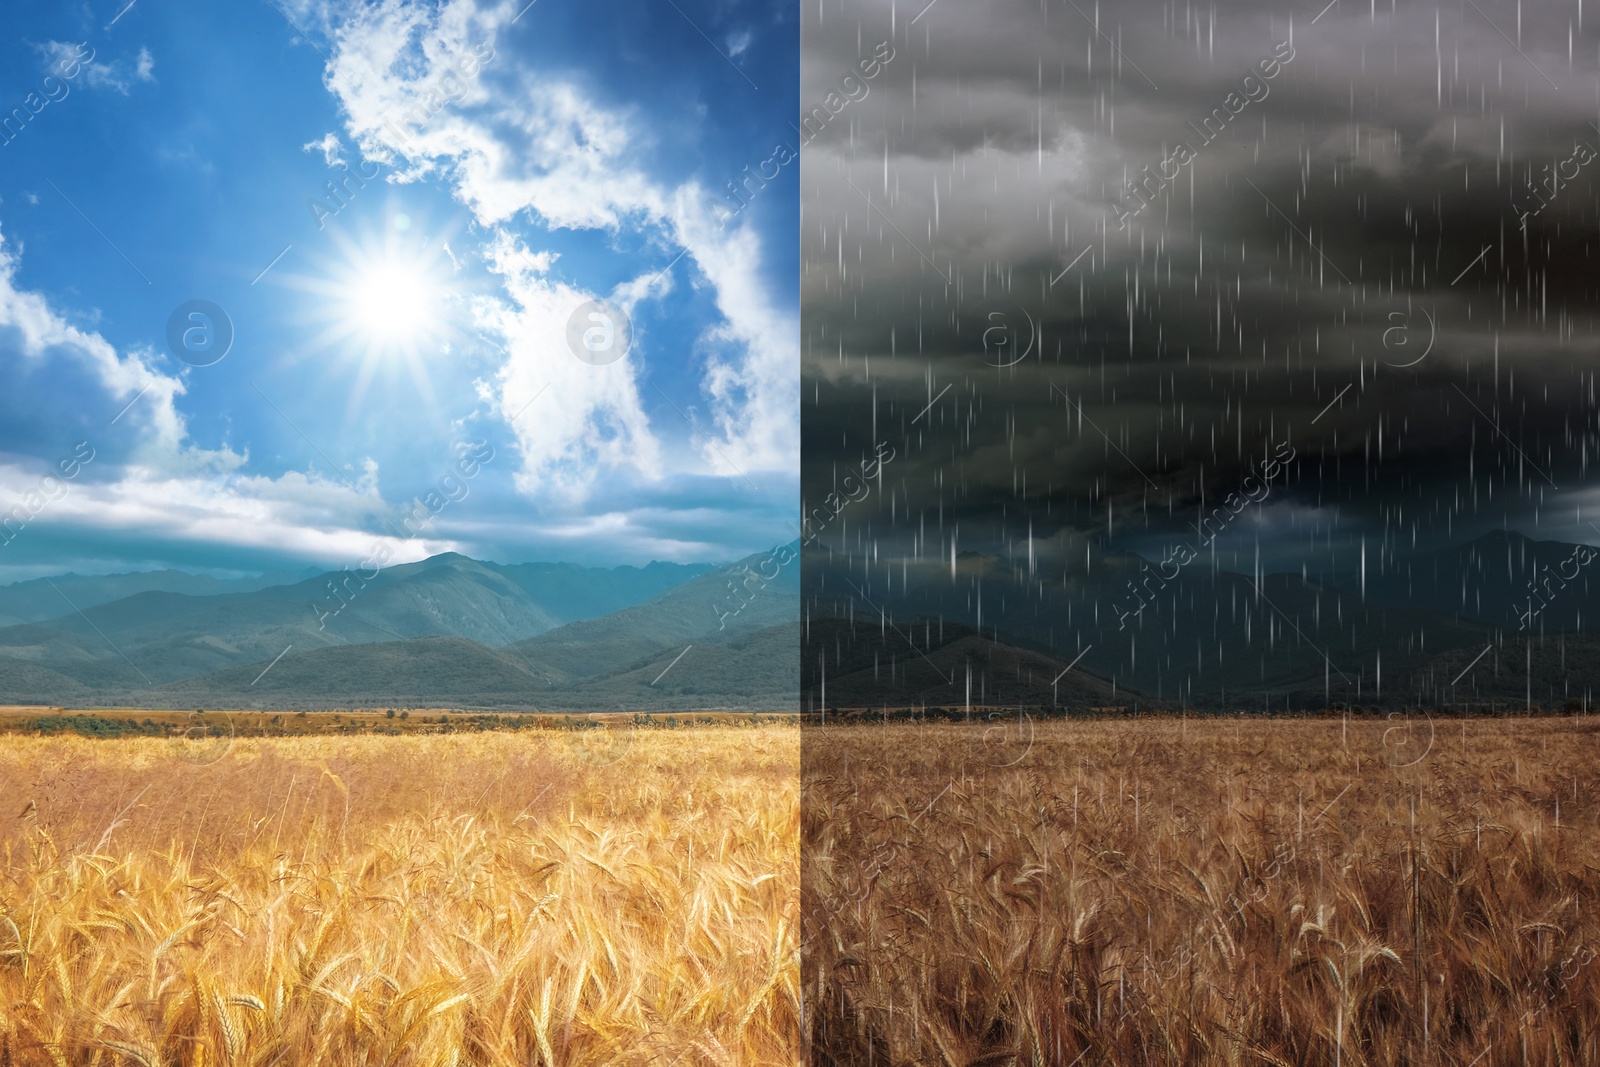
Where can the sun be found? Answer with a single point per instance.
(392, 300)
(385, 293)
(382, 302)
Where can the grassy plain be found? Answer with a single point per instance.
(1202, 892)
(547, 897)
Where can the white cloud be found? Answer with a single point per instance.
(160, 485)
(752, 373)
(104, 76)
(638, 530)
(572, 419)
(93, 72)
(40, 334)
(59, 56)
(330, 146)
(298, 514)
(541, 147)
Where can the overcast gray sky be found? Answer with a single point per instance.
(1346, 260)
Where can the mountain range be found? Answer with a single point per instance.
(1498, 622)
(447, 631)
(1501, 621)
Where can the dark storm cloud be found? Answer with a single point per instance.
(1364, 200)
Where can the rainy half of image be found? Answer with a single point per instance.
(1211, 675)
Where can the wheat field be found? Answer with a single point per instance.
(523, 899)
(1202, 892)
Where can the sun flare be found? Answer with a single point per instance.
(384, 303)
(391, 301)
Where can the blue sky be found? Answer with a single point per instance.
(498, 166)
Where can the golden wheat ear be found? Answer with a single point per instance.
(145, 1057)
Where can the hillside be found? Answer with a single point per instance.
(921, 663)
(1212, 638)
(427, 670)
(436, 632)
(759, 670)
(681, 616)
(1487, 581)
(159, 636)
(48, 598)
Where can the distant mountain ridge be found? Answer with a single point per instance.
(678, 617)
(448, 630)
(926, 663)
(1491, 580)
(40, 599)
(1461, 625)
(1204, 637)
